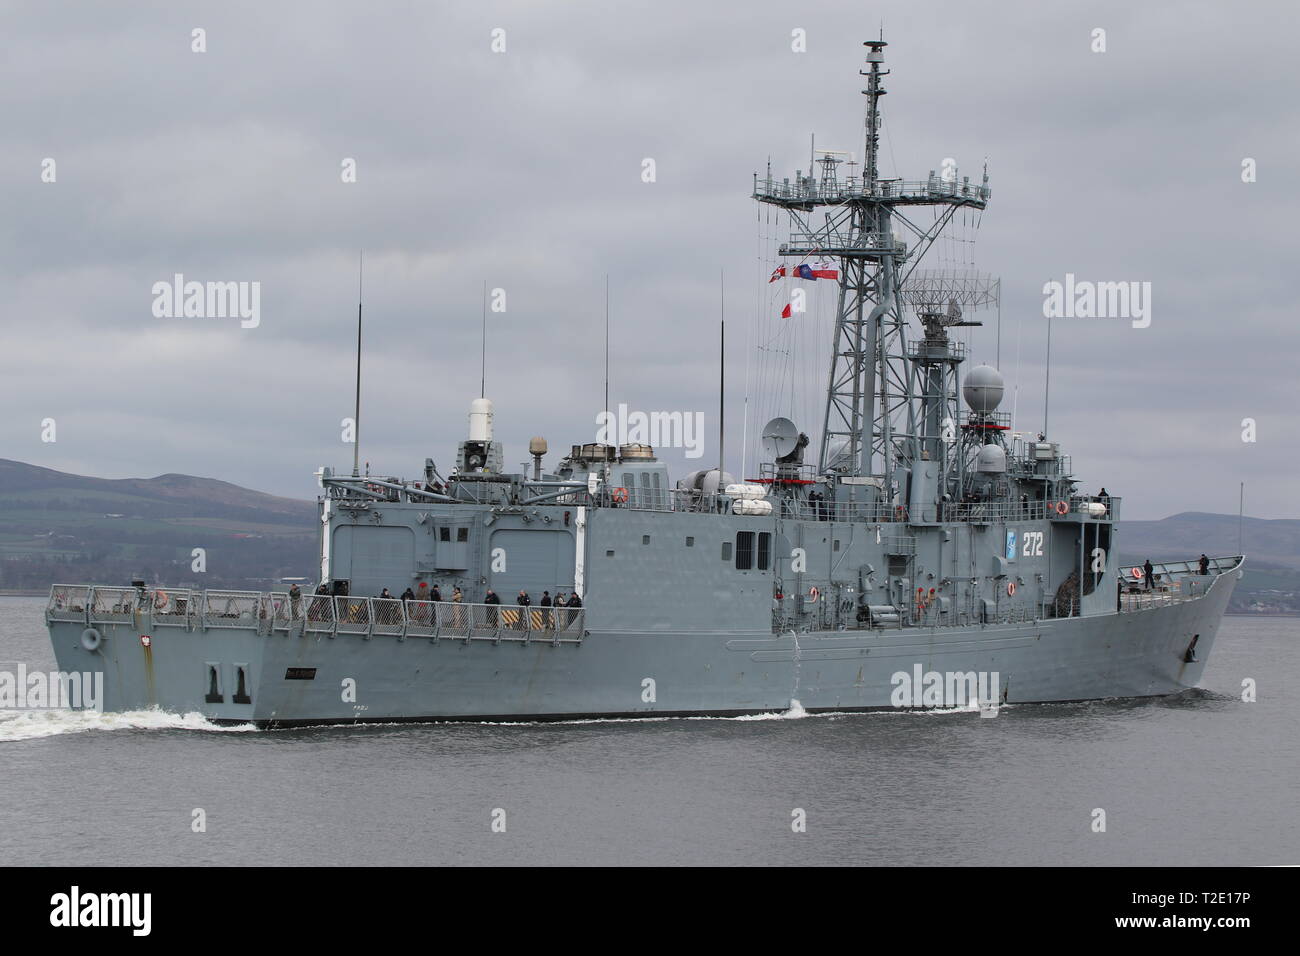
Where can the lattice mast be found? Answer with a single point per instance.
(871, 421)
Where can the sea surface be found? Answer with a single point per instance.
(1201, 778)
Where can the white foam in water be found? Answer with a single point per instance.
(794, 713)
(31, 724)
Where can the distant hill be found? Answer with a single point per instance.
(1271, 583)
(1267, 542)
(64, 527)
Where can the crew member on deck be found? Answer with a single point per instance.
(1147, 573)
(1205, 565)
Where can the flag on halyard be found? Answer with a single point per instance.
(805, 270)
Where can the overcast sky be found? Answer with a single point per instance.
(523, 168)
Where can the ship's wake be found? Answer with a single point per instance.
(32, 724)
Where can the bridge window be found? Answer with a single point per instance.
(462, 534)
(444, 534)
(764, 551)
(744, 550)
(726, 551)
(690, 542)
(645, 539)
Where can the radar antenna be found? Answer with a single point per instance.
(872, 423)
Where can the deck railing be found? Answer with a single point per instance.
(230, 608)
(839, 190)
(68, 602)
(280, 611)
(637, 498)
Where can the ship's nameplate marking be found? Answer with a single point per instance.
(300, 673)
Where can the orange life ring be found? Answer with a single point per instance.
(619, 495)
(813, 594)
(1062, 508)
(1011, 588)
(161, 600)
(1137, 574)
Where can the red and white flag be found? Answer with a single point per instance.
(806, 270)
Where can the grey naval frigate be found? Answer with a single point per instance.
(929, 556)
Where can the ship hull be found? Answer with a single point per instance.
(295, 677)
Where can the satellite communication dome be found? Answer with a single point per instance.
(982, 389)
(992, 460)
(838, 455)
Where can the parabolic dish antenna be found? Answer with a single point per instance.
(780, 437)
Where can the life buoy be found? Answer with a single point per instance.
(1137, 574)
(813, 594)
(1062, 508)
(91, 639)
(161, 600)
(146, 640)
(1011, 588)
(619, 495)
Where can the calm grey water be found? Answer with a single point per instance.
(1199, 779)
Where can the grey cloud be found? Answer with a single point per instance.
(523, 169)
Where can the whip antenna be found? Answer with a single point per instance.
(356, 414)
